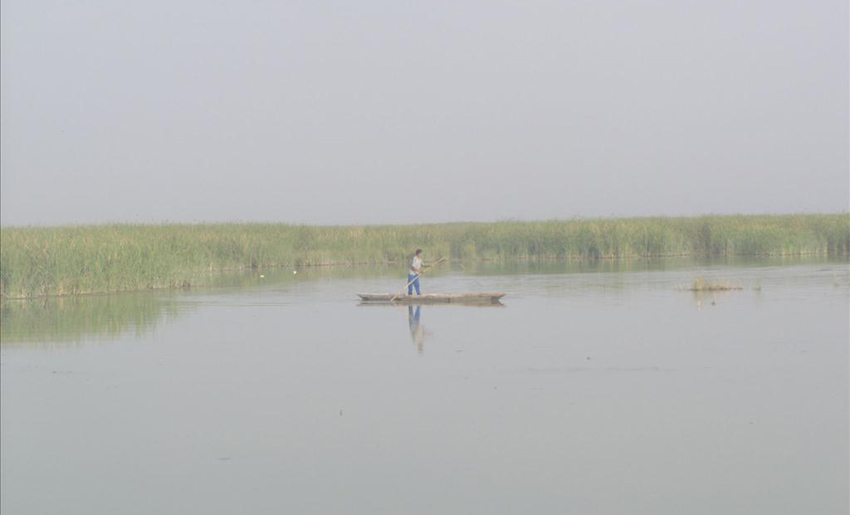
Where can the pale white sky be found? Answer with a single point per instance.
(395, 112)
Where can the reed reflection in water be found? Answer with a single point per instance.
(75, 319)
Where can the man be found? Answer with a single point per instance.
(413, 273)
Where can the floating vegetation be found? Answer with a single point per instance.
(701, 284)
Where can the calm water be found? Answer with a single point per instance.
(595, 389)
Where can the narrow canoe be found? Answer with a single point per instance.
(432, 297)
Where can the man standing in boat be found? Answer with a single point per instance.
(413, 273)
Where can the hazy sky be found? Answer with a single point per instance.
(397, 111)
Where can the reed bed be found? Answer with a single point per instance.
(72, 260)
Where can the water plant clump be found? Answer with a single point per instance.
(72, 260)
(701, 284)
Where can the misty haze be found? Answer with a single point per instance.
(378, 112)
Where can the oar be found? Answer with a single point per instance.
(417, 277)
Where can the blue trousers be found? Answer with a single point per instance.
(415, 283)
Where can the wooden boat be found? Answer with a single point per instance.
(432, 298)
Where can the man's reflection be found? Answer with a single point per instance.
(417, 332)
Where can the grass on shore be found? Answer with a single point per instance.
(75, 260)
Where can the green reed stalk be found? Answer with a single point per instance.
(74, 260)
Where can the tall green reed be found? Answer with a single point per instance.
(73, 260)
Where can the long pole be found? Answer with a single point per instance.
(415, 278)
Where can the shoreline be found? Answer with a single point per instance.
(527, 259)
(101, 259)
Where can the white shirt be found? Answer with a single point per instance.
(415, 265)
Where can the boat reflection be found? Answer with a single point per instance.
(418, 332)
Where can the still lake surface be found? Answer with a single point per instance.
(597, 388)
